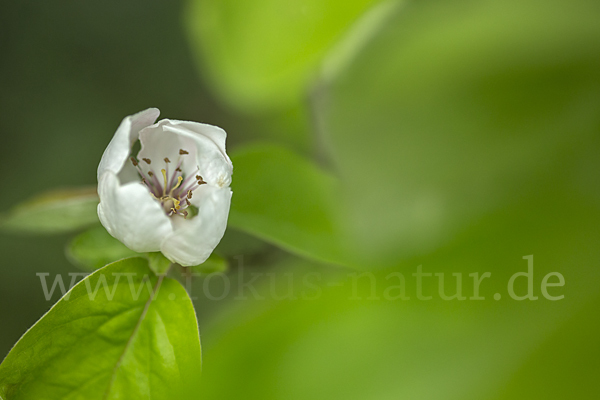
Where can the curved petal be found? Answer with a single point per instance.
(159, 143)
(194, 239)
(130, 214)
(212, 160)
(119, 147)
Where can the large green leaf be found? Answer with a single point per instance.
(287, 200)
(319, 337)
(95, 248)
(108, 338)
(54, 212)
(455, 109)
(260, 54)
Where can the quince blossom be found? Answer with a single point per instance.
(174, 197)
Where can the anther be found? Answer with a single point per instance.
(182, 152)
(189, 194)
(188, 202)
(147, 160)
(167, 160)
(134, 162)
(184, 213)
(178, 169)
(200, 180)
(150, 174)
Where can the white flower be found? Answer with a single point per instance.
(175, 196)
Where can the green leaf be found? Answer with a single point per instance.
(95, 248)
(261, 54)
(214, 263)
(111, 341)
(158, 262)
(54, 212)
(286, 200)
(455, 109)
(565, 365)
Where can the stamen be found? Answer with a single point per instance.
(174, 174)
(182, 152)
(184, 213)
(147, 160)
(189, 194)
(167, 160)
(150, 174)
(200, 180)
(134, 162)
(187, 185)
(188, 202)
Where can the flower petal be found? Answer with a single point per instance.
(118, 149)
(159, 143)
(130, 214)
(194, 239)
(215, 166)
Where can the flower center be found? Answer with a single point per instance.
(171, 188)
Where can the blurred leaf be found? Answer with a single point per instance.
(351, 339)
(236, 243)
(214, 263)
(566, 364)
(454, 110)
(54, 212)
(95, 248)
(118, 344)
(286, 200)
(260, 54)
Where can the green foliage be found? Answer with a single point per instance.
(286, 200)
(158, 263)
(95, 248)
(260, 54)
(53, 212)
(214, 263)
(455, 109)
(109, 341)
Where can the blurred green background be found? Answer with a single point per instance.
(366, 136)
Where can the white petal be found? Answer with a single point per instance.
(130, 214)
(215, 166)
(118, 149)
(194, 239)
(158, 144)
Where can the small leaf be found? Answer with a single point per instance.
(95, 248)
(109, 338)
(54, 212)
(214, 263)
(158, 262)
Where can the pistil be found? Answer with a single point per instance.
(175, 191)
